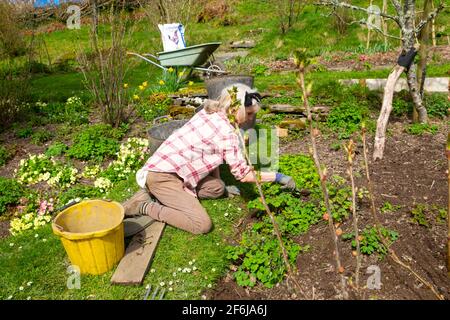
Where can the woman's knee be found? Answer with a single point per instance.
(204, 225)
(211, 189)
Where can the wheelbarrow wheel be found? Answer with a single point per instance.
(213, 66)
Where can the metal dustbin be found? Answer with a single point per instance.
(160, 132)
(214, 86)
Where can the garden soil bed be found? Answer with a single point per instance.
(413, 171)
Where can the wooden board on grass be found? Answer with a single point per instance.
(139, 254)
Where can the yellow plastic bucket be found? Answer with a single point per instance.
(92, 234)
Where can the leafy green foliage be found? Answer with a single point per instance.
(5, 155)
(389, 207)
(260, 259)
(437, 105)
(258, 254)
(260, 70)
(78, 192)
(41, 136)
(419, 215)
(56, 149)
(96, 142)
(10, 193)
(401, 107)
(74, 111)
(157, 105)
(346, 118)
(24, 132)
(421, 128)
(370, 241)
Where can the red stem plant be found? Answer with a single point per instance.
(302, 62)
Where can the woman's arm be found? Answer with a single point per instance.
(265, 177)
(287, 182)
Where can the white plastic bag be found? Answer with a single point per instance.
(172, 36)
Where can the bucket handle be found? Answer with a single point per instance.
(68, 205)
(158, 119)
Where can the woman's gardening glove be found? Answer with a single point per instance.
(406, 58)
(287, 182)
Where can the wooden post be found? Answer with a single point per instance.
(380, 135)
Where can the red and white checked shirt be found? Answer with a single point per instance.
(196, 149)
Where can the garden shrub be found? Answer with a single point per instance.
(421, 128)
(157, 105)
(328, 93)
(96, 142)
(14, 93)
(41, 136)
(346, 118)
(5, 155)
(10, 193)
(130, 158)
(258, 253)
(33, 215)
(437, 105)
(56, 149)
(24, 132)
(78, 192)
(260, 259)
(40, 168)
(74, 111)
(370, 241)
(401, 107)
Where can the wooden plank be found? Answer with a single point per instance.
(137, 259)
(286, 108)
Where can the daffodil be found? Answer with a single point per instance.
(125, 85)
(161, 82)
(180, 74)
(190, 83)
(136, 97)
(141, 88)
(145, 83)
(170, 70)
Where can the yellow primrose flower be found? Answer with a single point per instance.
(161, 82)
(141, 88)
(190, 83)
(125, 85)
(145, 83)
(170, 69)
(136, 97)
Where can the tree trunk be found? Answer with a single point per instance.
(414, 91)
(424, 40)
(380, 135)
(407, 44)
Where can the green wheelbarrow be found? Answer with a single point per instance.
(195, 57)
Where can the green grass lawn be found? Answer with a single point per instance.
(38, 257)
(34, 264)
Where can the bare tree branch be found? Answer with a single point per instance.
(398, 7)
(337, 3)
(368, 24)
(430, 17)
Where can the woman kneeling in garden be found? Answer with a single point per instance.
(185, 167)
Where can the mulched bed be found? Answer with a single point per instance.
(346, 61)
(413, 171)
